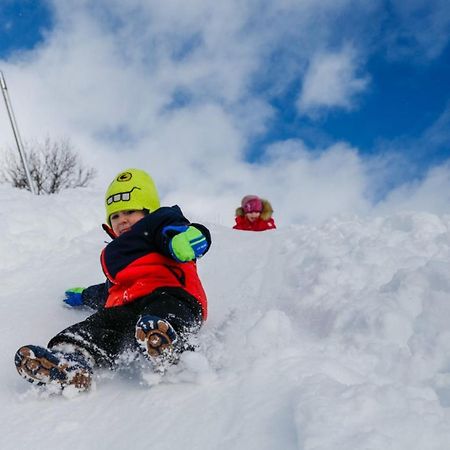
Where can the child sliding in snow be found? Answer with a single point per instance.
(152, 301)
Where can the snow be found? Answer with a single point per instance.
(319, 337)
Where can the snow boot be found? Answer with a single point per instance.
(44, 366)
(157, 339)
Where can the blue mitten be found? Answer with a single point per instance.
(188, 244)
(73, 297)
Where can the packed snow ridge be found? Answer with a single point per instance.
(325, 337)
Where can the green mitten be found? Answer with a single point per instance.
(189, 244)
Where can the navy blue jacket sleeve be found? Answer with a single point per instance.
(144, 237)
(162, 239)
(95, 296)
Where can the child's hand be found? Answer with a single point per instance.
(73, 297)
(188, 245)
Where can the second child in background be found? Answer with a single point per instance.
(254, 214)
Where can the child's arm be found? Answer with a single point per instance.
(174, 236)
(158, 232)
(93, 296)
(188, 242)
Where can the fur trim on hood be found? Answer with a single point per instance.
(266, 213)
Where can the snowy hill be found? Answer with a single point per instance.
(326, 337)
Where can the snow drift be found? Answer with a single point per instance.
(326, 337)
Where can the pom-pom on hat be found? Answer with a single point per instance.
(251, 203)
(131, 189)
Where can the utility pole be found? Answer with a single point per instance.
(15, 129)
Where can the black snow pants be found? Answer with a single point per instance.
(109, 332)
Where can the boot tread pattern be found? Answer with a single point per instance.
(156, 337)
(40, 366)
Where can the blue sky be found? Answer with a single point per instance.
(267, 83)
(23, 24)
(405, 98)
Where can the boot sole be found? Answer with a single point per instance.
(156, 343)
(45, 369)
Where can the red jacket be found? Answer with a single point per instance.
(242, 223)
(151, 272)
(264, 221)
(139, 261)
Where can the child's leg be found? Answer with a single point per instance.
(109, 332)
(104, 335)
(71, 355)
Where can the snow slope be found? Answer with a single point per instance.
(319, 337)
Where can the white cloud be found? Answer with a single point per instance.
(316, 185)
(180, 89)
(331, 81)
(431, 194)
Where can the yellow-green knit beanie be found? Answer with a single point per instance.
(131, 189)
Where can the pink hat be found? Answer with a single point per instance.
(251, 203)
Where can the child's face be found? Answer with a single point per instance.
(122, 221)
(252, 216)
